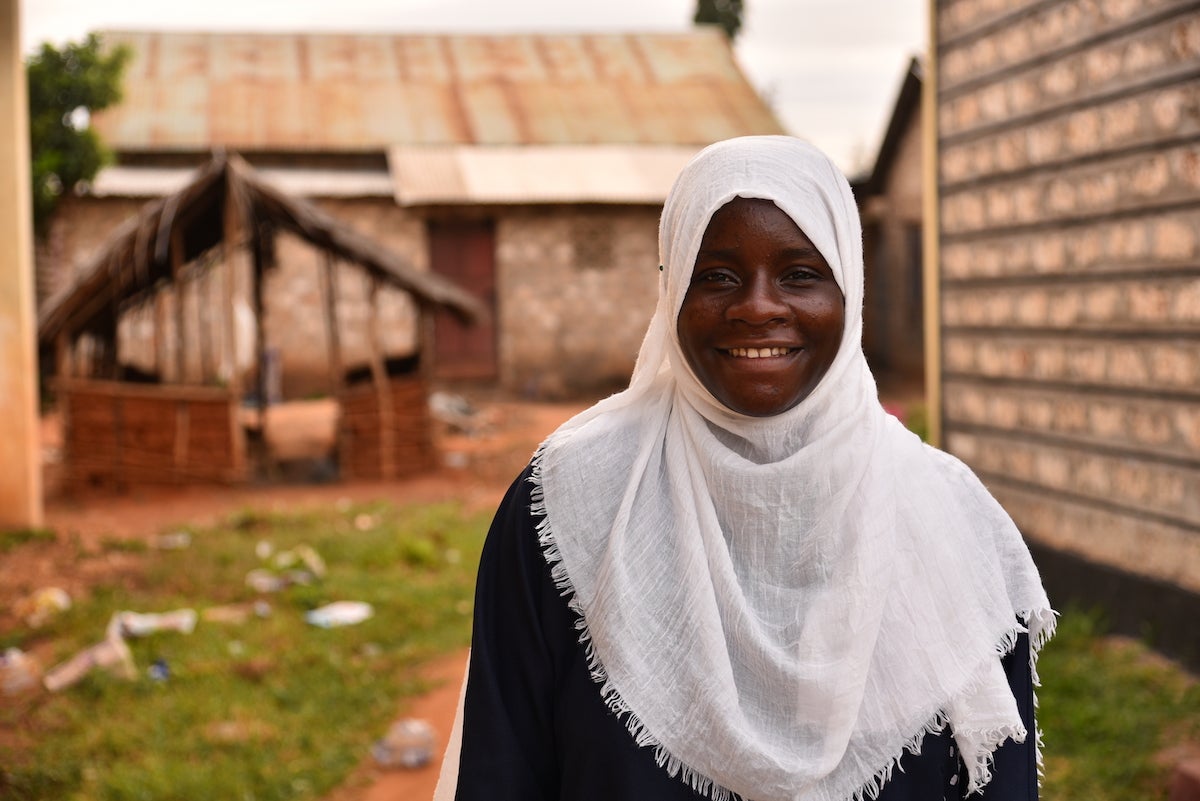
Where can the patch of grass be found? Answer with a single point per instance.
(14, 538)
(1108, 706)
(271, 708)
(123, 545)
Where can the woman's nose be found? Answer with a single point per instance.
(759, 302)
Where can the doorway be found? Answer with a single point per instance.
(465, 252)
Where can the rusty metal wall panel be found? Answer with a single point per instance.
(317, 92)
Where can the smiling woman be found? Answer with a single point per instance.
(740, 577)
(763, 317)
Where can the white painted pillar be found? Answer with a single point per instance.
(20, 458)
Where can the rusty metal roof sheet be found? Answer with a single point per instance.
(148, 182)
(468, 174)
(342, 92)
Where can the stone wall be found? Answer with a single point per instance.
(1069, 180)
(79, 227)
(577, 288)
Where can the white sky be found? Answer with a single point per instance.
(831, 69)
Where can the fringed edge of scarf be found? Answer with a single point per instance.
(608, 693)
(1039, 624)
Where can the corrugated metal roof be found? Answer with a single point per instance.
(340, 92)
(127, 181)
(536, 173)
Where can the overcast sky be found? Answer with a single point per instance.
(831, 69)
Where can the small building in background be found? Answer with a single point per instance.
(890, 201)
(529, 168)
(1069, 192)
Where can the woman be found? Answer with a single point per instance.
(740, 577)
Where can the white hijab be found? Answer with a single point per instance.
(781, 606)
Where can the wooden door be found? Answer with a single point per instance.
(465, 252)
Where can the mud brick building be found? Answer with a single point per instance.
(1068, 174)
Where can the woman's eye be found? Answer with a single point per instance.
(803, 274)
(714, 277)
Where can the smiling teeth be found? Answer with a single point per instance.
(757, 353)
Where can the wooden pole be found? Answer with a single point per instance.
(160, 334)
(20, 441)
(229, 242)
(383, 391)
(329, 297)
(931, 234)
(176, 250)
(204, 291)
(258, 271)
(228, 246)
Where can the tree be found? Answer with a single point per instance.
(65, 87)
(726, 13)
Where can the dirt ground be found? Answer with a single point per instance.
(478, 463)
(477, 466)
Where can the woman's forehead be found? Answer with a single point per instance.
(744, 215)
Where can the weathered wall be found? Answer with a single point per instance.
(893, 337)
(576, 287)
(79, 227)
(1069, 172)
(295, 321)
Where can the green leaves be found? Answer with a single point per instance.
(65, 86)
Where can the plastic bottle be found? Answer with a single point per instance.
(136, 624)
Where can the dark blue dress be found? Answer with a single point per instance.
(536, 729)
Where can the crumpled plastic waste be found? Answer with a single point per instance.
(112, 654)
(409, 743)
(173, 541)
(236, 613)
(159, 670)
(339, 613)
(39, 608)
(19, 672)
(299, 565)
(137, 624)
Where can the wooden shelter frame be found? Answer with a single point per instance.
(226, 206)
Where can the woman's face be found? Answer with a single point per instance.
(762, 318)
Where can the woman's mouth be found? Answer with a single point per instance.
(758, 353)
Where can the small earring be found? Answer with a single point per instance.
(660, 268)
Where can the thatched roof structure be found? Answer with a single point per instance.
(138, 257)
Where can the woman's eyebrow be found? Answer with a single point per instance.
(803, 252)
(717, 253)
(807, 252)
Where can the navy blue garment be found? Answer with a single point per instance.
(536, 729)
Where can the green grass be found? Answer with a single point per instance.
(272, 708)
(15, 538)
(1107, 708)
(276, 709)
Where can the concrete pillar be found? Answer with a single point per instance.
(20, 460)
